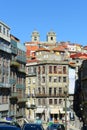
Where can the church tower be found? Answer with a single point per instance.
(35, 37)
(51, 37)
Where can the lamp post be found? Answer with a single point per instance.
(65, 92)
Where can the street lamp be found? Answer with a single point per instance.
(65, 93)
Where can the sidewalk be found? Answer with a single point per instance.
(71, 127)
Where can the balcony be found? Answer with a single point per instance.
(40, 95)
(31, 74)
(12, 81)
(14, 51)
(15, 64)
(22, 70)
(13, 47)
(49, 95)
(56, 95)
(32, 106)
(4, 48)
(21, 59)
(5, 85)
(14, 94)
(21, 86)
(22, 99)
(5, 37)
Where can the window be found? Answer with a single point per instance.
(60, 90)
(29, 81)
(3, 30)
(7, 32)
(64, 79)
(55, 101)
(59, 79)
(50, 78)
(0, 28)
(31, 70)
(50, 69)
(43, 101)
(34, 70)
(39, 69)
(39, 90)
(39, 79)
(43, 79)
(55, 79)
(35, 38)
(60, 101)
(50, 91)
(55, 91)
(51, 38)
(43, 69)
(59, 69)
(43, 90)
(33, 81)
(50, 101)
(64, 69)
(55, 69)
(39, 101)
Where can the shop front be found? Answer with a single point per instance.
(40, 113)
(56, 114)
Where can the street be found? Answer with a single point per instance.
(72, 125)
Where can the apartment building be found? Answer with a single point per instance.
(80, 97)
(48, 76)
(13, 74)
(5, 57)
(17, 79)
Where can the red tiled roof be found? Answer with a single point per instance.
(85, 47)
(65, 46)
(72, 64)
(42, 49)
(59, 48)
(79, 55)
(83, 57)
(34, 60)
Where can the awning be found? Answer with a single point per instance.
(39, 110)
(54, 111)
(62, 112)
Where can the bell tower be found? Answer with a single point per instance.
(51, 37)
(35, 37)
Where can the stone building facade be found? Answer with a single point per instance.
(46, 82)
(12, 75)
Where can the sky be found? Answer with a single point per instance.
(67, 18)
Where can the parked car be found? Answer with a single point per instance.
(56, 126)
(32, 126)
(8, 126)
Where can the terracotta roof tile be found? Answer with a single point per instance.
(42, 49)
(79, 55)
(31, 61)
(83, 57)
(85, 47)
(59, 48)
